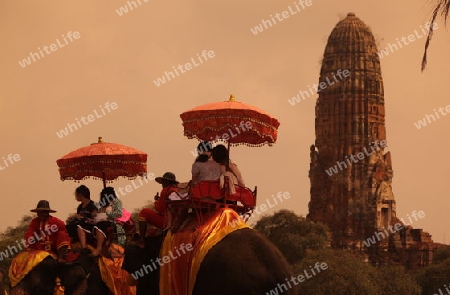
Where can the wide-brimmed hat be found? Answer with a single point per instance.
(43, 205)
(168, 176)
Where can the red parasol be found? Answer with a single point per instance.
(102, 160)
(232, 121)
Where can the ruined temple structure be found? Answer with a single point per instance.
(351, 168)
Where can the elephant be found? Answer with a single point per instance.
(135, 257)
(243, 262)
(78, 278)
(95, 284)
(41, 279)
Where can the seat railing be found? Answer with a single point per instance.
(207, 196)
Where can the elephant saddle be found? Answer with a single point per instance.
(24, 262)
(182, 252)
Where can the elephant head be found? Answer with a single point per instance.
(91, 279)
(41, 279)
(79, 277)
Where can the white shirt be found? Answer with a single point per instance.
(209, 170)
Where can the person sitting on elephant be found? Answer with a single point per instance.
(47, 232)
(157, 217)
(204, 168)
(110, 208)
(85, 212)
(221, 156)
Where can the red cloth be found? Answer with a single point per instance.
(243, 195)
(206, 188)
(49, 235)
(157, 217)
(161, 203)
(212, 189)
(152, 217)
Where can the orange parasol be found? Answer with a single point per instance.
(102, 160)
(232, 121)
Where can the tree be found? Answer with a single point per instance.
(10, 240)
(441, 255)
(346, 273)
(436, 276)
(293, 235)
(442, 8)
(396, 280)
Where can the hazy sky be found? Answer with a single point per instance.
(117, 58)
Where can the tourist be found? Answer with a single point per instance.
(86, 211)
(221, 156)
(110, 208)
(204, 168)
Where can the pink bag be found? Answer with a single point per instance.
(125, 216)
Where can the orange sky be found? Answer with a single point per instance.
(116, 58)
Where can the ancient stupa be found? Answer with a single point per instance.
(351, 168)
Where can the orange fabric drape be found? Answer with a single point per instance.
(180, 267)
(113, 274)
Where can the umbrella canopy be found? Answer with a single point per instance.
(102, 160)
(232, 121)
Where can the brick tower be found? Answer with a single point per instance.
(351, 169)
(355, 198)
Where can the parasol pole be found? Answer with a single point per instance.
(228, 160)
(104, 179)
(230, 99)
(100, 140)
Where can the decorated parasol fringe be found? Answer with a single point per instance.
(105, 161)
